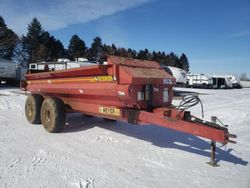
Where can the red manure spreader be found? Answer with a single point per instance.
(130, 90)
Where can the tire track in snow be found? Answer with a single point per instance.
(49, 159)
(4, 104)
(12, 171)
(107, 139)
(37, 160)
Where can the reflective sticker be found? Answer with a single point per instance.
(85, 79)
(167, 81)
(109, 111)
(104, 78)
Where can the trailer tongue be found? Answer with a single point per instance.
(130, 90)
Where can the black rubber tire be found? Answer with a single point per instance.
(33, 107)
(53, 115)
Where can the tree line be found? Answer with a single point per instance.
(38, 45)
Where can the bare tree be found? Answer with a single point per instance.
(243, 77)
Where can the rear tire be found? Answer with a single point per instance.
(33, 107)
(53, 115)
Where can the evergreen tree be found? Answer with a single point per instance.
(40, 45)
(44, 50)
(54, 48)
(106, 51)
(154, 56)
(184, 62)
(60, 51)
(147, 54)
(131, 53)
(77, 47)
(140, 54)
(33, 42)
(174, 60)
(122, 52)
(113, 49)
(134, 53)
(167, 60)
(8, 40)
(144, 54)
(96, 49)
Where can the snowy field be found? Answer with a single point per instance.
(94, 153)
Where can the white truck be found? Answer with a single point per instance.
(199, 80)
(179, 74)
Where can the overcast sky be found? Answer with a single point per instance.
(215, 35)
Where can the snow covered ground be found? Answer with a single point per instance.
(94, 153)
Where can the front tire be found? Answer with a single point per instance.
(33, 107)
(53, 115)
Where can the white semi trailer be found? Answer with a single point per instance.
(7, 71)
(10, 72)
(179, 74)
(234, 80)
(221, 82)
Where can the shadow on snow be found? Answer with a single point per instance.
(158, 136)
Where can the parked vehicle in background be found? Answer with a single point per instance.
(61, 64)
(245, 84)
(235, 81)
(199, 80)
(179, 74)
(7, 70)
(10, 72)
(53, 65)
(221, 82)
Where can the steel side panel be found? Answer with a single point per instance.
(108, 93)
